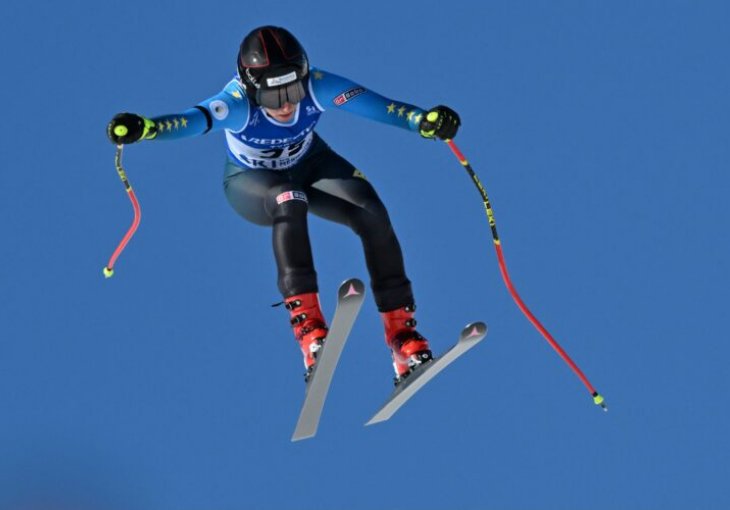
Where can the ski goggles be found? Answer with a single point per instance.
(279, 90)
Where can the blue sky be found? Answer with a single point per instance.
(600, 130)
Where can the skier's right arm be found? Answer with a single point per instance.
(226, 110)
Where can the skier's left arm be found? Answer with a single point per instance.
(331, 90)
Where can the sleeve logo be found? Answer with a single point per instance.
(219, 109)
(347, 95)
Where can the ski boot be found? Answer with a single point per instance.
(408, 348)
(310, 328)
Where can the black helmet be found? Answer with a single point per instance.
(272, 66)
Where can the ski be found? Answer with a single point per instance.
(350, 297)
(471, 335)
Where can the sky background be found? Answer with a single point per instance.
(600, 130)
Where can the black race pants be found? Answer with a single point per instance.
(327, 185)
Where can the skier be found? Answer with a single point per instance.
(279, 168)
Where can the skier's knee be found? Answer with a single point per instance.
(371, 218)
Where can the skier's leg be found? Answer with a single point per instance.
(269, 198)
(341, 194)
(297, 277)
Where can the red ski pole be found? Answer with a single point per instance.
(597, 398)
(109, 268)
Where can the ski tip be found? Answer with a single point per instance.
(352, 287)
(474, 330)
(296, 437)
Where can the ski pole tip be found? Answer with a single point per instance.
(600, 401)
(108, 273)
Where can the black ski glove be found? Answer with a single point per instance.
(129, 128)
(439, 122)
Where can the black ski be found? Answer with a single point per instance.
(471, 335)
(350, 297)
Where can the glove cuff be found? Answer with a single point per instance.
(150, 129)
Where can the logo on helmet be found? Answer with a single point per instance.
(281, 80)
(251, 80)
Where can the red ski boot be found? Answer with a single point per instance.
(310, 328)
(408, 348)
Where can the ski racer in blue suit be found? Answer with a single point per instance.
(279, 169)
